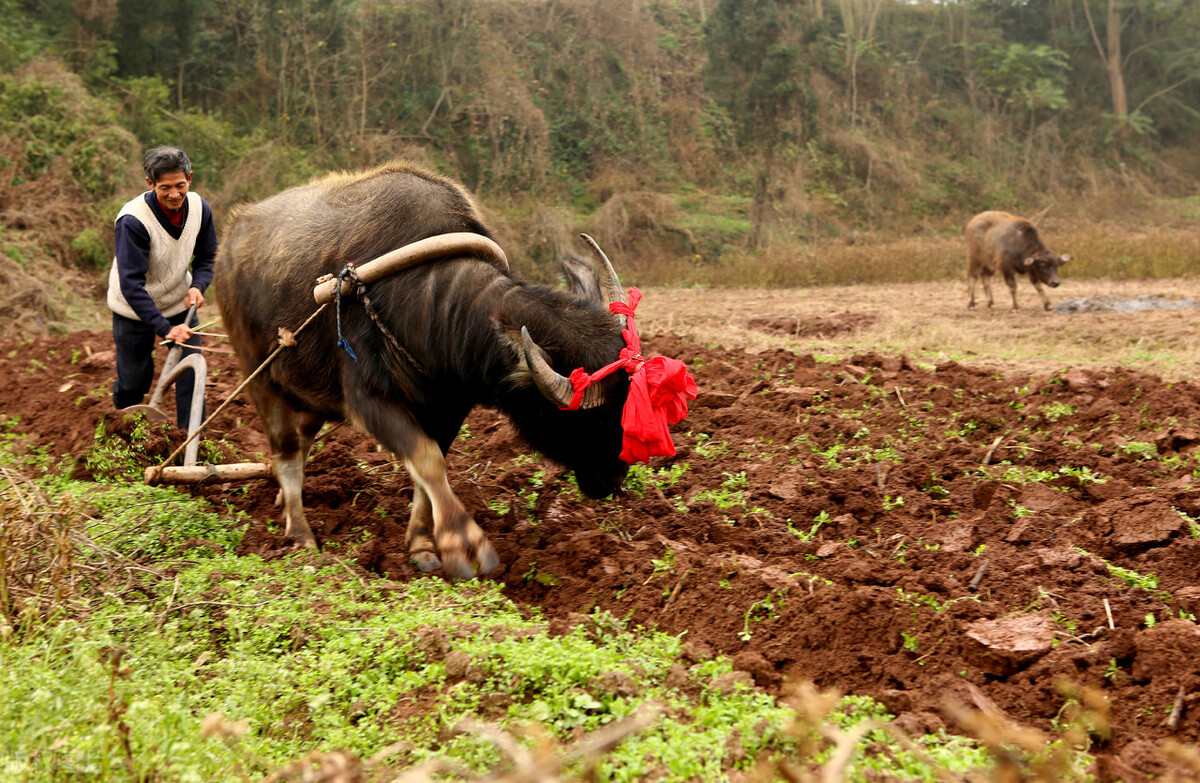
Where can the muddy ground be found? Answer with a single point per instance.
(906, 531)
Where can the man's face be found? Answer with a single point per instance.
(171, 189)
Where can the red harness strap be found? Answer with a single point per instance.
(659, 389)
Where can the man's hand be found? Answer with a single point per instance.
(194, 297)
(180, 334)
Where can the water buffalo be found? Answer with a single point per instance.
(1000, 242)
(435, 340)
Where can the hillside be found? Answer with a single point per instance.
(699, 141)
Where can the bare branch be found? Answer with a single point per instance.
(1168, 88)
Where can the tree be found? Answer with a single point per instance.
(858, 20)
(1174, 47)
(754, 72)
(1110, 54)
(156, 39)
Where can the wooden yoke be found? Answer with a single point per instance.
(460, 243)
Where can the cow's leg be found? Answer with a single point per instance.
(1042, 293)
(972, 279)
(1011, 282)
(419, 536)
(290, 434)
(306, 443)
(987, 288)
(461, 543)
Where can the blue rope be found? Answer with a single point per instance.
(342, 342)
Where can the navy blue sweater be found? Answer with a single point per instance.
(132, 242)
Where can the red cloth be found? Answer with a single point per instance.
(659, 389)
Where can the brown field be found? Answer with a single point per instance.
(930, 322)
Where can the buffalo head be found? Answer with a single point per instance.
(589, 439)
(1043, 267)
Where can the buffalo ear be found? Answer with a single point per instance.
(1029, 261)
(511, 337)
(581, 278)
(1063, 259)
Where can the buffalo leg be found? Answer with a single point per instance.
(971, 281)
(1011, 282)
(987, 289)
(419, 536)
(306, 444)
(462, 545)
(460, 541)
(290, 434)
(1042, 293)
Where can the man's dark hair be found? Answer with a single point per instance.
(164, 160)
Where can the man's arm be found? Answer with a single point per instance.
(132, 243)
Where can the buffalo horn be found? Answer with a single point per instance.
(554, 387)
(610, 284)
(460, 243)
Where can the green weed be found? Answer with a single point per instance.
(1139, 449)
(819, 521)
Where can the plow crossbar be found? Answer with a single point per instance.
(191, 474)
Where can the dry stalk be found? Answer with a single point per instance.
(979, 574)
(48, 562)
(117, 707)
(541, 764)
(1185, 761)
(678, 588)
(992, 450)
(845, 743)
(1177, 710)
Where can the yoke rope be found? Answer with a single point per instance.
(360, 290)
(347, 271)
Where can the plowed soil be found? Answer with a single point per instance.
(907, 531)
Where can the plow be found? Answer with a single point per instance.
(190, 472)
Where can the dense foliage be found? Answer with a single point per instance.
(754, 122)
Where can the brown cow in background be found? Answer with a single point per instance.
(1010, 245)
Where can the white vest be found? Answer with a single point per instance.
(169, 275)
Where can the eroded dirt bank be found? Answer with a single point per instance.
(907, 532)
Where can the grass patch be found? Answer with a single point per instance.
(135, 644)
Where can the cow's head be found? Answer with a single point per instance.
(589, 439)
(1043, 267)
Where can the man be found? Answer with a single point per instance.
(158, 235)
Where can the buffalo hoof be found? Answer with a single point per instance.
(301, 533)
(489, 560)
(425, 561)
(464, 548)
(462, 568)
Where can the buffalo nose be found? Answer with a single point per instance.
(1055, 284)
